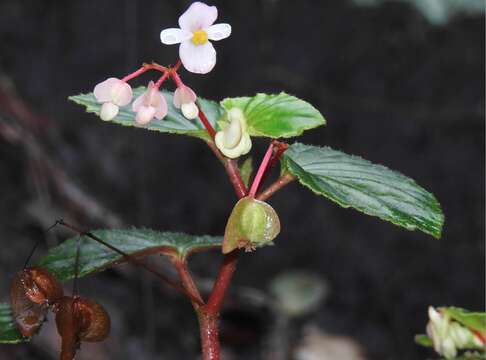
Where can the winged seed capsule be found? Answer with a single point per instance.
(252, 223)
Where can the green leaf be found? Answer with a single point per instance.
(423, 340)
(8, 332)
(277, 115)
(351, 181)
(246, 169)
(174, 122)
(95, 257)
(472, 320)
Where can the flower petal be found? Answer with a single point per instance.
(183, 95)
(102, 91)
(198, 16)
(161, 109)
(121, 94)
(138, 102)
(198, 59)
(174, 36)
(219, 31)
(145, 114)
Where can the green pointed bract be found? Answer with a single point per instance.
(252, 223)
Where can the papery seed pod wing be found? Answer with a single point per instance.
(95, 322)
(28, 315)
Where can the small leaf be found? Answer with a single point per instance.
(252, 223)
(95, 257)
(473, 320)
(277, 115)
(351, 181)
(246, 169)
(174, 122)
(8, 332)
(423, 340)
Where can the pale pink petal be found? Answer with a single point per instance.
(183, 95)
(145, 114)
(161, 109)
(102, 91)
(152, 95)
(198, 16)
(121, 94)
(198, 59)
(174, 36)
(138, 103)
(219, 31)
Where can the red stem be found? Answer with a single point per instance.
(208, 328)
(222, 283)
(188, 282)
(206, 123)
(162, 79)
(261, 171)
(145, 68)
(276, 186)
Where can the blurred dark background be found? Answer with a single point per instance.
(395, 86)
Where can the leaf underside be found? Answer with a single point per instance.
(351, 181)
(276, 115)
(174, 122)
(95, 257)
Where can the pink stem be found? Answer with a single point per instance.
(162, 79)
(261, 171)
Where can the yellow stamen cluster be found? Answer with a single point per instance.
(199, 37)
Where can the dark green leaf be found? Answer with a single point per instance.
(424, 340)
(472, 320)
(373, 189)
(173, 123)
(276, 115)
(8, 332)
(95, 257)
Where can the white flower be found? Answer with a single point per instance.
(196, 29)
(113, 93)
(234, 141)
(185, 99)
(149, 105)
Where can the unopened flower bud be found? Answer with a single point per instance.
(185, 99)
(189, 110)
(234, 141)
(149, 105)
(108, 111)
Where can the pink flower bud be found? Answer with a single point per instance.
(183, 95)
(149, 105)
(113, 90)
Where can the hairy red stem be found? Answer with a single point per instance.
(145, 68)
(206, 123)
(187, 281)
(276, 186)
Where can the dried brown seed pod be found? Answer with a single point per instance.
(32, 290)
(80, 319)
(95, 322)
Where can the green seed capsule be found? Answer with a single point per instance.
(252, 223)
